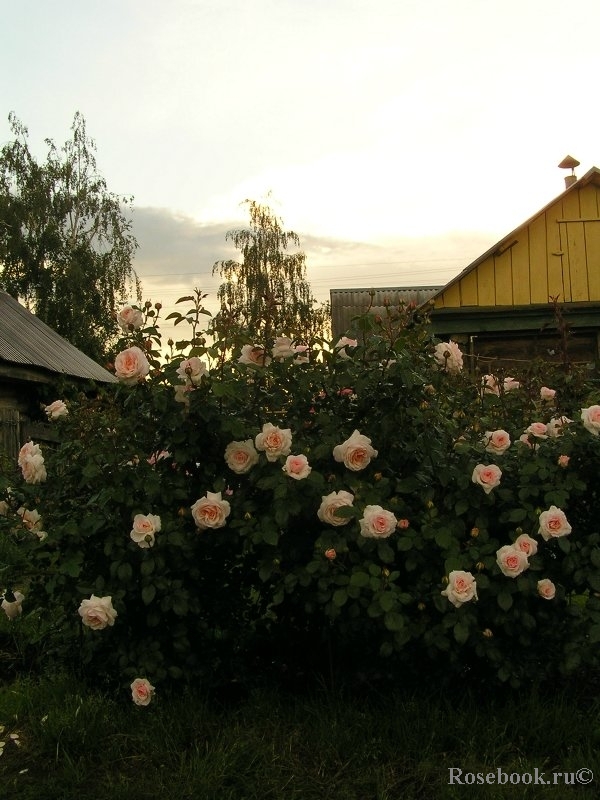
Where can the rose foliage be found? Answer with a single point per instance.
(383, 511)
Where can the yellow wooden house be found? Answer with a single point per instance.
(502, 306)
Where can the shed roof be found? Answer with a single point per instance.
(26, 341)
(349, 303)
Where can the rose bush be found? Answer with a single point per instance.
(398, 539)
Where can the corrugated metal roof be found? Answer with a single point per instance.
(349, 303)
(27, 341)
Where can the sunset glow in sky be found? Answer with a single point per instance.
(400, 139)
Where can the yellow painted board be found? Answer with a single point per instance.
(450, 298)
(577, 261)
(521, 275)
(588, 202)
(538, 260)
(503, 278)
(486, 283)
(554, 246)
(571, 210)
(468, 289)
(592, 250)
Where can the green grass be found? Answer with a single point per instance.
(83, 745)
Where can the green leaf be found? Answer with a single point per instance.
(148, 594)
(461, 632)
(147, 567)
(340, 597)
(385, 552)
(359, 579)
(387, 601)
(504, 600)
(393, 621)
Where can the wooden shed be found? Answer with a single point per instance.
(502, 305)
(33, 355)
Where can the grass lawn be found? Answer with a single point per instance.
(77, 744)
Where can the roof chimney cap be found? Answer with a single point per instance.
(569, 162)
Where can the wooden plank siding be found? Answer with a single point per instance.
(556, 253)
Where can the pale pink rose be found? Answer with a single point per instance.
(301, 354)
(131, 366)
(556, 425)
(330, 503)
(356, 452)
(97, 612)
(526, 545)
(12, 608)
(56, 409)
(591, 419)
(297, 467)
(29, 449)
(563, 461)
(487, 476)
(274, 441)
(539, 430)
(330, 554)
(254, 356)
(403, 524)
(341, 347)
(241, 456)
(192, 370)
(283, 348)
(31, 519)
(33, 469)
(145, 526)
(461, 587)
(489, 384)
(547, 395)
(4, 508)
(448, 357)
(210, 511)
(182, 393)
(546, 589)
(553, 523)
(511, 561)
(496, 442)
(510, 384)
(130, 318)
(377, 523)
(524, 438)
(160, 455)
(142, 692)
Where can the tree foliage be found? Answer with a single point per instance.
(266, 293)
(65, 242)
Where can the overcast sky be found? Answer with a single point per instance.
(399, 138)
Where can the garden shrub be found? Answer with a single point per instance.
(465, 541)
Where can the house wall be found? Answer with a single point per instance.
(555, 254)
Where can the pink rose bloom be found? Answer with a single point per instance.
(33, 469)
(30, 519)
(563, 461)
(97, 612)
(489, 384)
(537, 429)
(29, 449)
(330, 503)
(403, 524)
(192, 370)
(211, 511)
(12, 608)
(56, 409)
(254, 356)
(510, 384)
(556, 424)
(330, 554)
(461, 588)
(301, 354)
(553, 523)
(241, 456)
(283, 348)
(145, 526)
(341, 346)
(131, 366)
(526, 545)
(496, 442)
(130, 318)
(547, 395)
(488, 477)
(274, 441)
(591, 419)
(377, 523)
(511, 561)
(158, 456)
(356, 452)
(142, 692)
(546, 589)
(297, 467)
(524, 439)
(448, 357)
